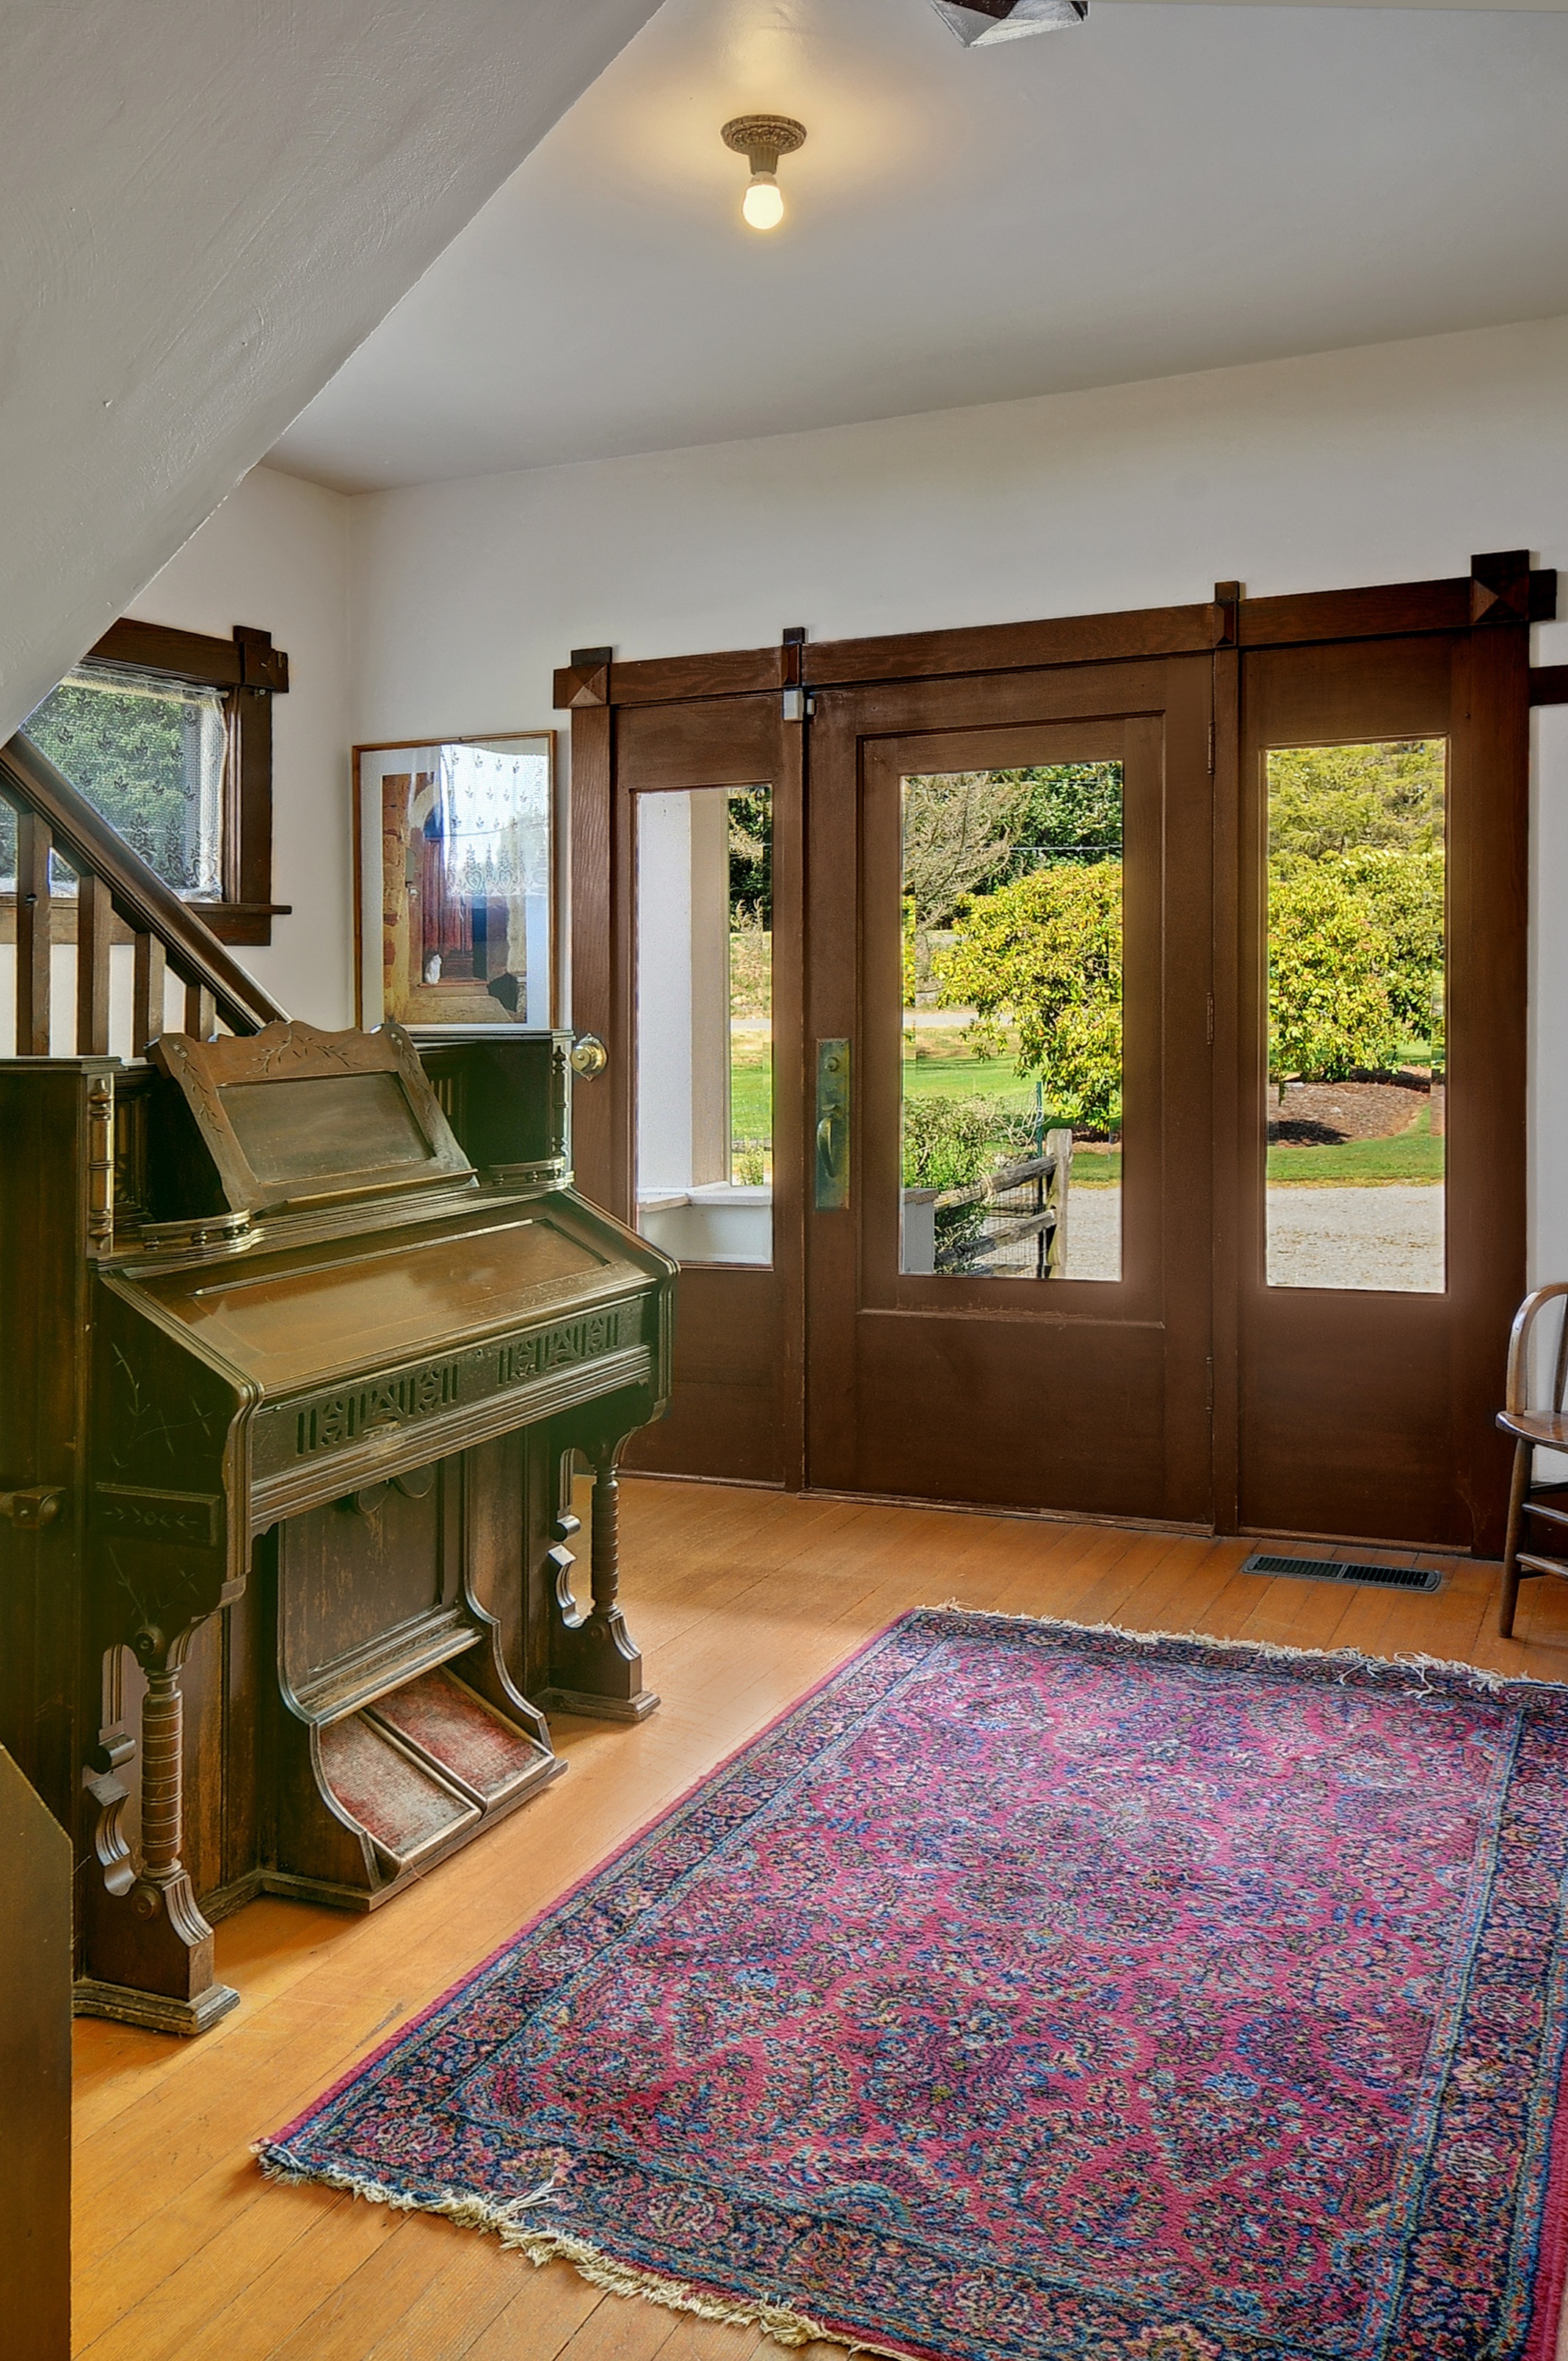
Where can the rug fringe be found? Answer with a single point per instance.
(780, 2322)
(1476, 1677)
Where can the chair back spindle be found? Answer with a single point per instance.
(1560, 1381)
(1533, 1504)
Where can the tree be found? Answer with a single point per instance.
(1334, 800)
(1043, 956)
(969, 832)
(751, 815)
(1329, 1014)
(1067, 811)
(138, 758)
(1357, 873)
(1403, 894)
(957, 833)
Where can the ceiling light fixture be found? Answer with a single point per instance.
(762, 139)
(978, 23)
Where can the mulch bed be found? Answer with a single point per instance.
(1322, 1115)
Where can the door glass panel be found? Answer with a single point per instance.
(1355, 1097)
(1011, 968)
(705, 1012)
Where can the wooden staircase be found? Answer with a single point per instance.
(118, 894)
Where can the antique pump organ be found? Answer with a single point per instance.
(305, 1333)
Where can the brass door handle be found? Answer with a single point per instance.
(590, 1056)
(30, 1509)
(832, 1126)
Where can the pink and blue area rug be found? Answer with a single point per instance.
(1030, 1991)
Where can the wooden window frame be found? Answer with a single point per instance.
(249, 672)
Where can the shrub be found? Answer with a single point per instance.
(949, 1143)
(1403, 894)
(1043, 956)
(1329, 1014)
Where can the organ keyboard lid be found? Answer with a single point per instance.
(328, 1222)
(298, 1316)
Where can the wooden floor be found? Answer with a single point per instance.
(740, 1600)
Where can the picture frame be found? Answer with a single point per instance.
(454, 883)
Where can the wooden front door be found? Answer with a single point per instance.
(949, 1356)
(1292, 1063)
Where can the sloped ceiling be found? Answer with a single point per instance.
(1161, 189)
(207, 205)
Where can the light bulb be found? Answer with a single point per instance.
(762, 204)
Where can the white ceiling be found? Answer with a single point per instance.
(1159, 190)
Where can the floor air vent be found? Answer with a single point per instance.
(1333, 1569)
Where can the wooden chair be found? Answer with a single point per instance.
(1532, 1430)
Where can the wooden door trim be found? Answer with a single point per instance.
(1384, 610)
(600, 1107)
(1224, 1366)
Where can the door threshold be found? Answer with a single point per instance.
(1342, 1542)
(680, 1475)
(1024, 1515)
(1328, 1542)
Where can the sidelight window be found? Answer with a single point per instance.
(705, 1012)
(1357, 1015)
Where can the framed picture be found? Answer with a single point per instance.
(454, 881)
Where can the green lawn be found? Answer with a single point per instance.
(1412, 1155)
(963, 1077)
(1408, 1155)
(751, 1087)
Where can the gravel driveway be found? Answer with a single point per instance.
(1388, 1238)
(1381, 1239)
(1094, 1233)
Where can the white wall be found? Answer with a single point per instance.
(208, 204)
(275, 556)
(1386, 464)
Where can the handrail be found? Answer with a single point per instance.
(52, 814)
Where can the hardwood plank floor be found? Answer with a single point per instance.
(740, 1600)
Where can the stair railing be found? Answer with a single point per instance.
(113, 882)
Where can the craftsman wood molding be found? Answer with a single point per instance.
(585, 680)
(1201, 1417)
(1501, 587)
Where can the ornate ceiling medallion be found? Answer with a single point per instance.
(762, 139)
